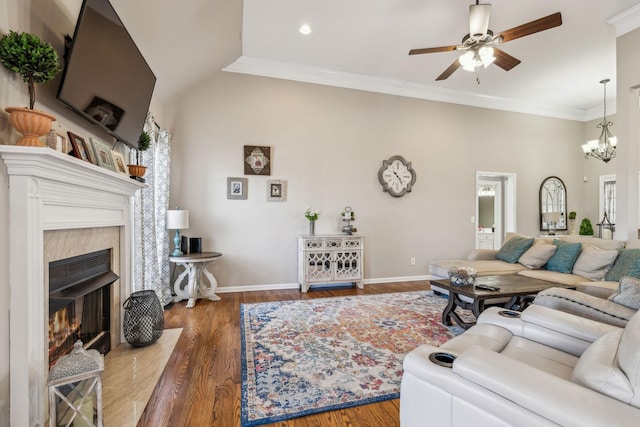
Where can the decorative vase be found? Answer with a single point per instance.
(312, 227)
(572, 227)
(32, 124)
(137, 170)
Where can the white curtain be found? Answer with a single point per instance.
(151, 238)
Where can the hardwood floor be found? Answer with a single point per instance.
(201, 383)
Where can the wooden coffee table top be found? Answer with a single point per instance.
(510, 286)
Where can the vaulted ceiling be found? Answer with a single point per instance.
(364, 44)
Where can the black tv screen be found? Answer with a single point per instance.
(106, 79)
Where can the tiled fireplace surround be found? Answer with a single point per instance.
(59, 207)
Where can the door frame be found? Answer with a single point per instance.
(506, 213)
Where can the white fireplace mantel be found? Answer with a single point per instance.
(49, 190)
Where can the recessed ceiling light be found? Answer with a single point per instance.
(305, 29)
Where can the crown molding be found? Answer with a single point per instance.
(626, 21)
(296, 72)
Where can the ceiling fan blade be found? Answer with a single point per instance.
(432, 50)
(452, 68)
(532, 27)
(479, 20)
(504, 60)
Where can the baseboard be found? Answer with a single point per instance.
(280, 286)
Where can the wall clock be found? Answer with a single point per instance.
(396, 176)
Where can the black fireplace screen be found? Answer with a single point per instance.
(80, 303)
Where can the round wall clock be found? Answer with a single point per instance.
(396, 176)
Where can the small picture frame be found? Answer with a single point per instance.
(276, 190)
(103, 155)
(79, 147)
(57, 141)
(237, 188)
(118, 161)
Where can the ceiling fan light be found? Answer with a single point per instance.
(467, 61)
(486, 54)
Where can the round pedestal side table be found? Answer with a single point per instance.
(196, 273)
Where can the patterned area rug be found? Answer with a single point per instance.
(310, 356)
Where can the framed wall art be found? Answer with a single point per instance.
(257, 160)
(118, 162)
(237, 188)
(276, 190)
(103, 155)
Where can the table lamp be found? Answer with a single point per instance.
(177, 220)
(552, 219)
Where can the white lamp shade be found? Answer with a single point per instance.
(551, 217)
(177, 220)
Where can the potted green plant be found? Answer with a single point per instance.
(144, 142)
(572, 222)
(37, 62)
(586, 229)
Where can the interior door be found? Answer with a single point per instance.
(495, 208)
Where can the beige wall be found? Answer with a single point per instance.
(328, 143)
(628, 114)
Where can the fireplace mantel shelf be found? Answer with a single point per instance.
(45, 163)
(48, 191)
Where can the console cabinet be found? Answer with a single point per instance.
(330, 259)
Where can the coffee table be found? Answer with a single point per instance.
(512, 286)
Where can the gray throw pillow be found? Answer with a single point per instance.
(628, 293)
(593, 263)
(512, 250)
(538, 255)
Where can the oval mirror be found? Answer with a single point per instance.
(553, 205)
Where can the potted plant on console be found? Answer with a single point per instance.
(37, 62)
(137, 171)
(586, 229)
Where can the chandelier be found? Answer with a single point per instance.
(603, 148)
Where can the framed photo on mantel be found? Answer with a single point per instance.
(104, 158)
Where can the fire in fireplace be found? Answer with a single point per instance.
(80, 303)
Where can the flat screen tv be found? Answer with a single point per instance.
(106, 79)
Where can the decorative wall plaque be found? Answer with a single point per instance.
(257, 160)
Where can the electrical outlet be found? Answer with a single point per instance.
(413, 261)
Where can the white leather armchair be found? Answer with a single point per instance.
(545, 368)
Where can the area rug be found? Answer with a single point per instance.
(310, 356)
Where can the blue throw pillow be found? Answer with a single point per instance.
(513, 249)
(565, 256)
(627, 264)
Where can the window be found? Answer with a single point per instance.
(608, 197)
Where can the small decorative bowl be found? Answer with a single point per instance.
(462, 276)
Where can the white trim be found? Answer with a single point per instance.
(49, 190)
(281, 286)
(301, 73)
(626, 21)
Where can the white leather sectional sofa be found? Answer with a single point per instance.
(545, 368)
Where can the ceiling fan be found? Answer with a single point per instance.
(479, 45)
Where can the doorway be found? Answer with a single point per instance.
(495, 208)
